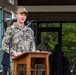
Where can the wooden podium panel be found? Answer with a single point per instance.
(30, 61)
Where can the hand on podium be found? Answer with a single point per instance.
(18, 53)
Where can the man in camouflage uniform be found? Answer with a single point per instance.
(21, 43)
(44, 46)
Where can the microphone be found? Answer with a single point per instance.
(28, 21)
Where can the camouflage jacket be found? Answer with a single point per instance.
(21, 43)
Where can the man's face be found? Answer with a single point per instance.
(21, 17)
(46, 41)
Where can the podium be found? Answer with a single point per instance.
(27, 63)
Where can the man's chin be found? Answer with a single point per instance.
(22, 21)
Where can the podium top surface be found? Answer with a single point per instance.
(26, 53)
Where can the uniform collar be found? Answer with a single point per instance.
(19, 27)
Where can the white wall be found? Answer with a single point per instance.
(7, 5)
(70, 8)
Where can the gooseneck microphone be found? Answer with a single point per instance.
(29, 21)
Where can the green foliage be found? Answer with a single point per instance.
(53, 38)
(69, 39)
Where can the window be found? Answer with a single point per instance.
(7, 19)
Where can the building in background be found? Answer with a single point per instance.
(43, 11)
